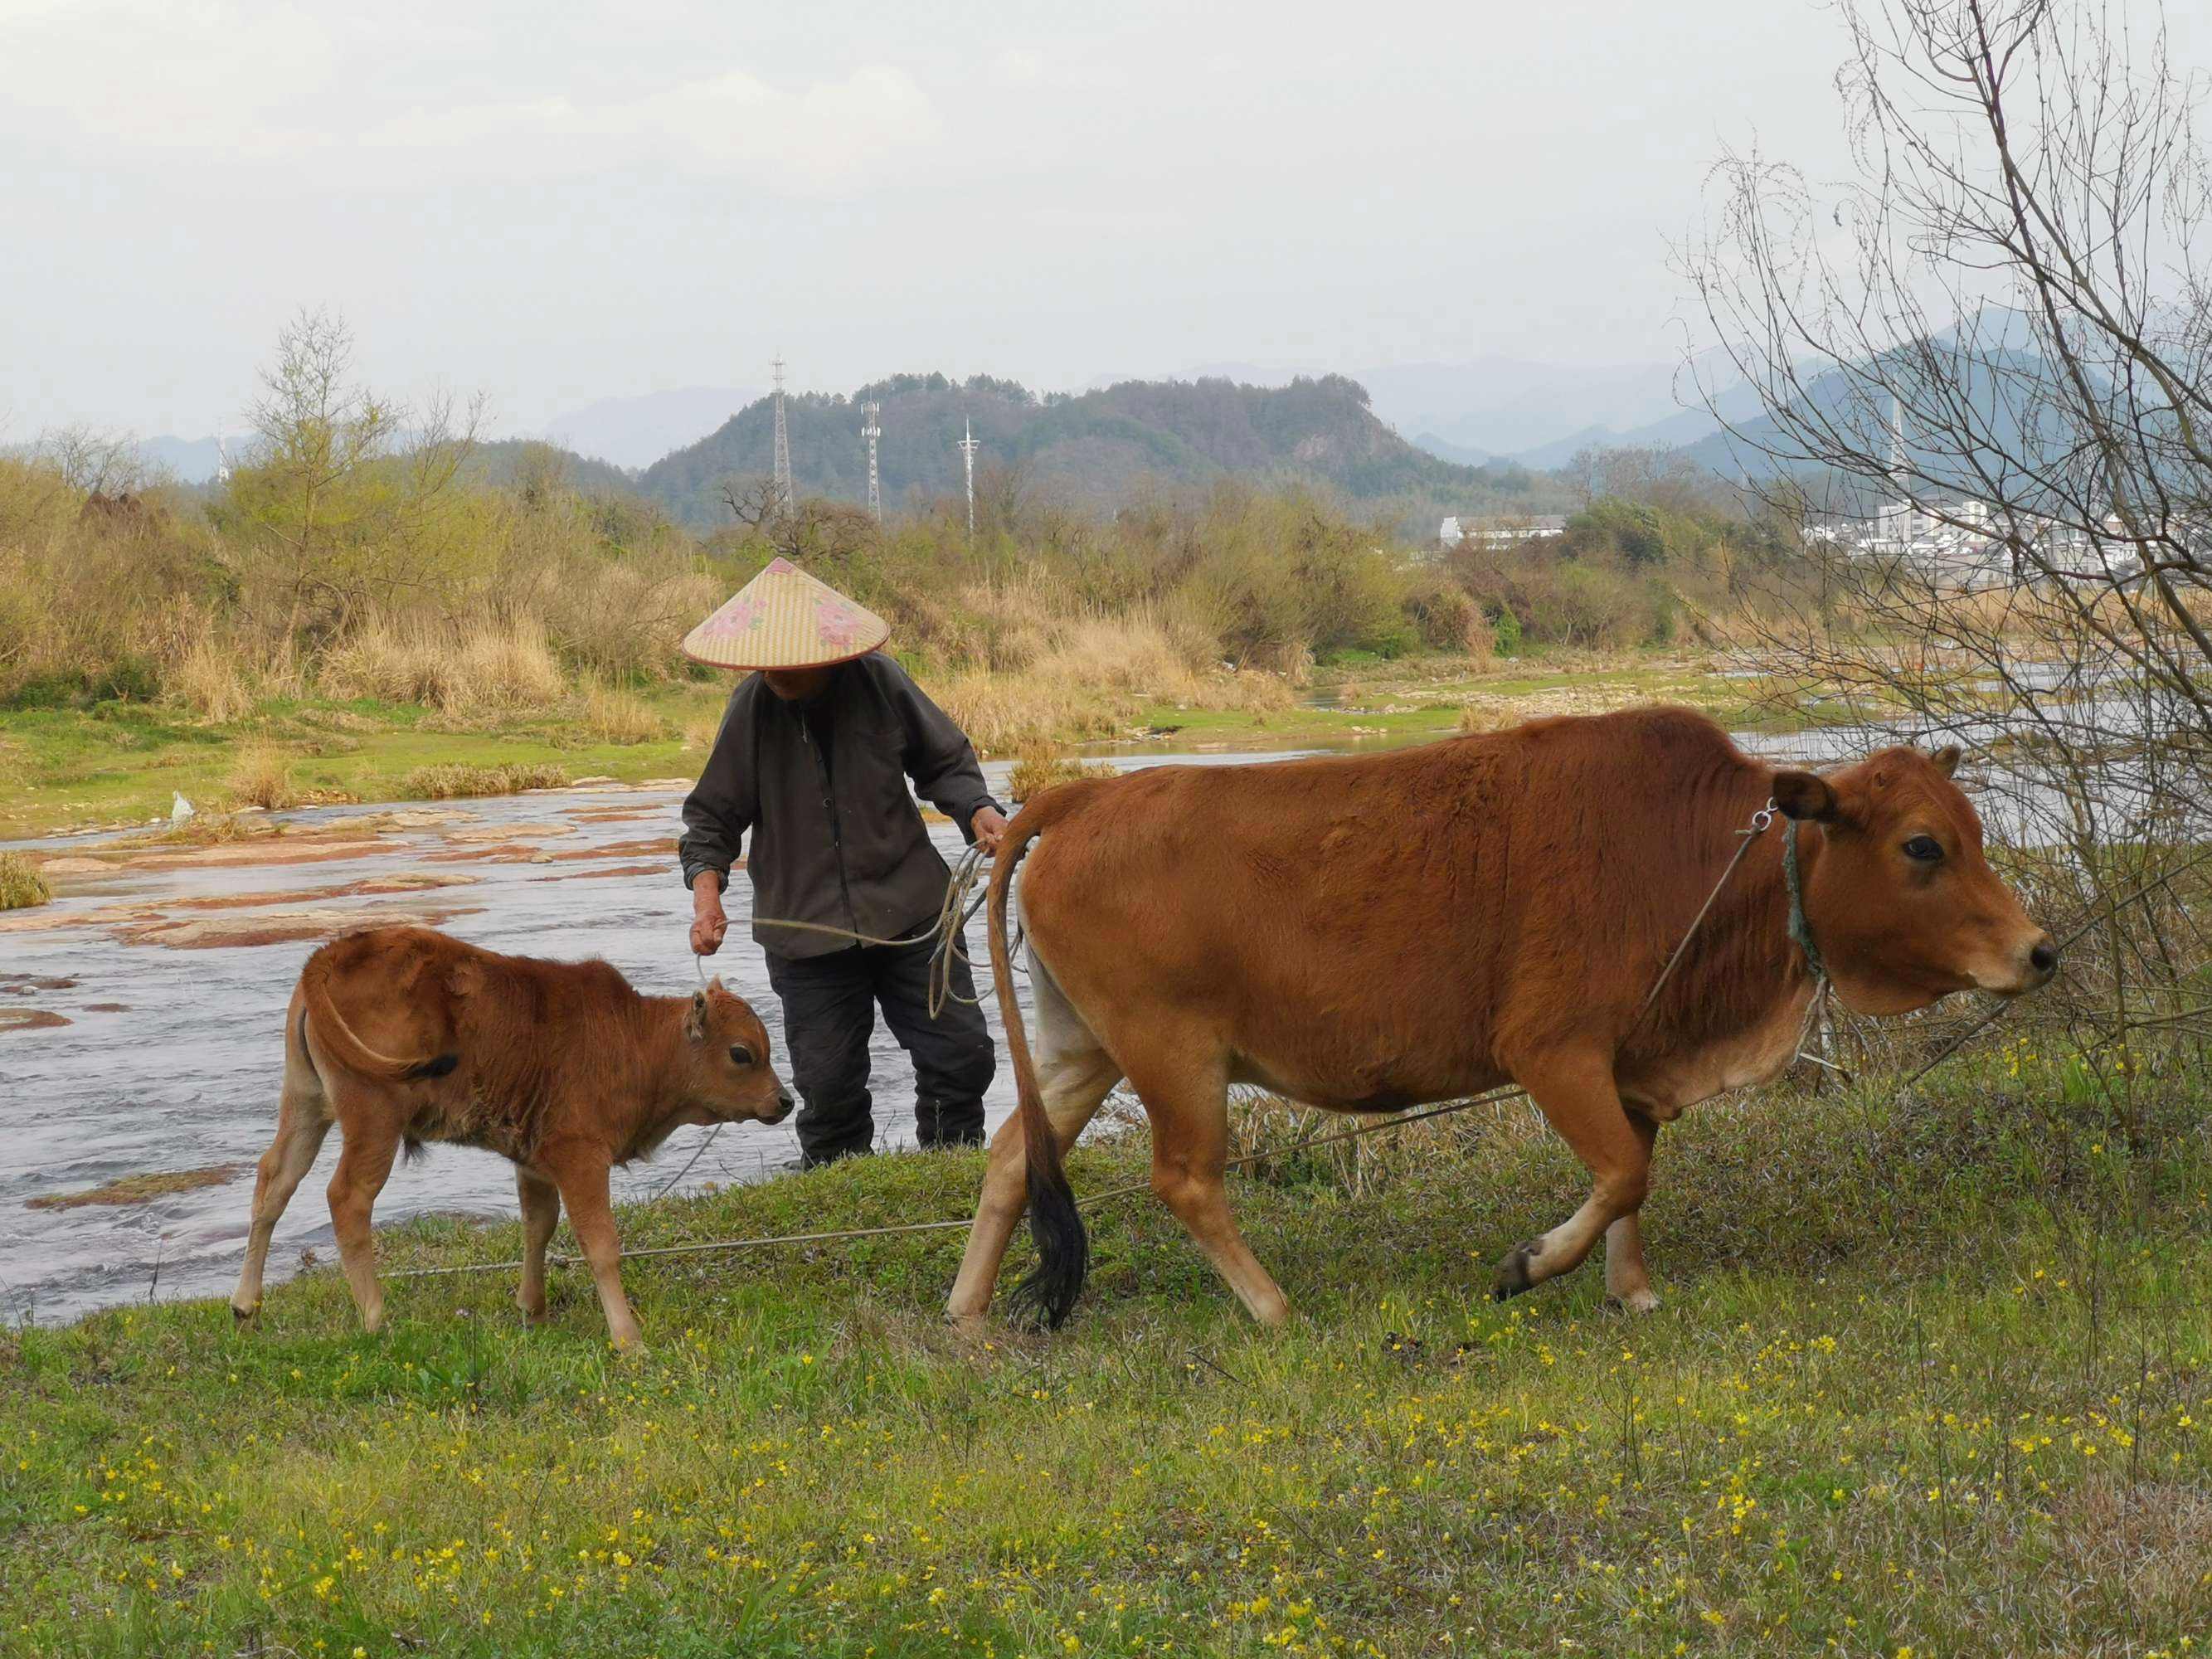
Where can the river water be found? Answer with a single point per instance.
(172, 1052)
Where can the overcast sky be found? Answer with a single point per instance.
(553, 204)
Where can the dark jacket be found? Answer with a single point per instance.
(837, 840)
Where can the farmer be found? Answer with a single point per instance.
(813, 756)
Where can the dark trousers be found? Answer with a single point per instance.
(829, 1005)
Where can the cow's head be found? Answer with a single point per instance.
(1900, 901)
(725, 1055)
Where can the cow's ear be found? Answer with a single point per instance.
(1804, 796)
(694, 1022)
(1947, 759)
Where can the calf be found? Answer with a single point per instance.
(402, 1036)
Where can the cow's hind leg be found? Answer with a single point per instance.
(1627, 1279)
(541, 1214)
(1189, 1109)
(1579, 1097)
(303, 1119)
(1074, 1075)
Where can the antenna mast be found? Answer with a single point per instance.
(872, 430)
(968, 448)
(783, 490)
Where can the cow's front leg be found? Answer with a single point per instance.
(1578, 1096)
(1627, 1280)
(582, 1175)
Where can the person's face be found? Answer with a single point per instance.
(796, 684)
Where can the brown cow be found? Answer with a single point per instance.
(402, 1036)
(1374, 932)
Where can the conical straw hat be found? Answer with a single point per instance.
(784, 618)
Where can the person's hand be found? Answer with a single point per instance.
(708, 923)
(990, 827)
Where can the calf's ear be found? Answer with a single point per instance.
(1804, 795)
(695, 1021)
(1946, 759)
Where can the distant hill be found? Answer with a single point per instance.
(1096, 447)
(636, 432)
(507, 461)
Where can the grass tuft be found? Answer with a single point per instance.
(21, 885)
(453, 781)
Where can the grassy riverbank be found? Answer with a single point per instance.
(118, 761)
(1933, 1378)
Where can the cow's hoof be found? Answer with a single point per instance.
(970, 1327)
(242, 1314)
(1513, 1275)
(1645, 1301)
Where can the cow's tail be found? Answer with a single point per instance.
(1048, 1292)
(338, 1041)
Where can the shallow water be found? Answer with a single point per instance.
(172, 1057)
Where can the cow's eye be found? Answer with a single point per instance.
(1925, 848)
(740, 1055)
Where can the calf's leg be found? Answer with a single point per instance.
(582, 1175)
(302, 1121)
(1074, 1075)
(1577, 1095)
(363, 1169)
(541, 1214)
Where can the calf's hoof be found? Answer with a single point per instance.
(971, 1327)
(1513, 1275)
(241, 1314)
(1645, 1301)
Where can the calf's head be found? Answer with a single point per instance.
(1900, 901)
(723, 1061)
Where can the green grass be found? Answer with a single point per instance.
(120, 761)
(1934, 1375)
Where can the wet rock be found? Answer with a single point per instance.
(274, 926)
(508, 832)
(138, 1188)
(28, 985)
(30, 1019)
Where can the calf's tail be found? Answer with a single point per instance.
(337, 1039)
(1049, 1290)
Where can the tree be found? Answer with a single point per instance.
(356, 493)
(2000, 333)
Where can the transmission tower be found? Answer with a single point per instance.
(784, 494)
(872, 430)
(968, 448)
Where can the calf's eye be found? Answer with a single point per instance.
(1925, 848)
(740, 1055)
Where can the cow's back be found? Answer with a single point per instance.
(1386, 927)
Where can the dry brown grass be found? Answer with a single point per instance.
(21, 884)
(484, 665)
(454, 782)
(1039, 769)
(613, 715)
(1093, 678)
(262, 776)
